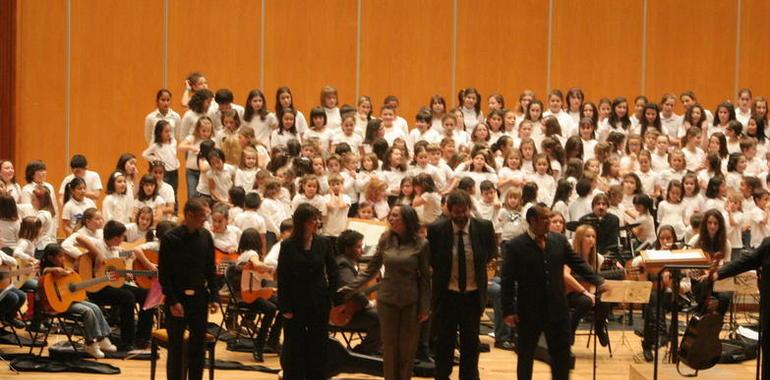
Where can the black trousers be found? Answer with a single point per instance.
(369, 320)
(557, 337)
(196, 320)
(458, 310)
(650, 315)
(581, 307)
(124, 299)
(303, 356)
(269, 310)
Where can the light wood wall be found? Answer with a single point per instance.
(87, 70)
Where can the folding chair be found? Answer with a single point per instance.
(236, 311)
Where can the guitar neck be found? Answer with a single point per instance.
(88, 283)
(145, 273)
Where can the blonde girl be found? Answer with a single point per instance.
(246, 173)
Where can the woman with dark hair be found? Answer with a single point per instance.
(307, 280)
(404, 297)
(712, 239)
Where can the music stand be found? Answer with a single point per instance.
(629, 292)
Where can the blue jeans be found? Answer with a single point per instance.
(192, 182)
(502, 331)
(172, 178)
(94, 325)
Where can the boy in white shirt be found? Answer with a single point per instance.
(337, 206)
(79, 167)
(398, 121)
(490, 204)
(759, 217)
(250, 218)
(754, 164)
(444, 173)
(224, 102)
(226, 237)
(422, 132)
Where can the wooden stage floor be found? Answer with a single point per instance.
(497, 364)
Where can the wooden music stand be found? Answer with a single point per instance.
(627, 292)
(655, 260)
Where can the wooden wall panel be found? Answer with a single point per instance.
(691, 45)
(597, 46)
(219, 39)
(310, 45)
(40, 86)
(116, 70)
(501, 47)
(406, 52)
(755, 43)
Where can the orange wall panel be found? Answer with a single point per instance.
(40, 87)
(602, 58)
(501, 47)
(406, 52)
(310, 45)
(691, 46)
(116, 70)
(219, 39)
(755, 40)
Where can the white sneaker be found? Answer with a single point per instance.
(106, 346)
(93, 350)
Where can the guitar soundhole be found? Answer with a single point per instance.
(72, 288)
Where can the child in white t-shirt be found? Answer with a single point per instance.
(118, 204)
(251, 218)
(337, 206)
(220, 176)
(75, 203)
(426, 202)
(489, 204)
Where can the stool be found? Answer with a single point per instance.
(160, 338)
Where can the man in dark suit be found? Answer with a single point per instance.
(533, 291)
(460, 247)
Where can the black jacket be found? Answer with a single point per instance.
(607, 231)
(307, 281)
(441, 239)
(532, 281)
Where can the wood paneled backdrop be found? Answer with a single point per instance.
(87, 71)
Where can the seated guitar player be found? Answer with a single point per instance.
(582, 299)
(249, 247)
(124, 298)
(95, 328)
(12, 299)
(349, 250)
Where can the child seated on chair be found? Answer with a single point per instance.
(95, 327)
(249, 247)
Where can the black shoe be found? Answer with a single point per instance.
(504, 345)
(604, 339)
(258, 356)
(648, 354)
(484, 347)
(16, 323)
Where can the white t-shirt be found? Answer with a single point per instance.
(48, 230)
(394, 132)
(154, 117)
(263, 128)
(73, 210)
(117, 207)
(758, 231)
(245, 178)
(92, 179)
(693, 159)
(166, 192)
(672, 214)
(333, 118)
(223, 180)
(431, 209)
(324, 138)
(228, 240)
(216, 115)
(354, 141)
(336, 218)
(133, 233)
(165, 153)
(187, 125)
(152, 203)
(9, 232)
(282, 138)
(250, 219)
(274, 213)
(317, 201)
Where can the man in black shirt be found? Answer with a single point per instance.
(187, 274)
(607, 225)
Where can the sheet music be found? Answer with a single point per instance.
(627, 291)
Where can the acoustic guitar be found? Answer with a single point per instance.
(700, 347)
(145, 282)
(114, 265)
(17, 274)
(61, 292)
(223, 259)
(341, 315)
(251, 285)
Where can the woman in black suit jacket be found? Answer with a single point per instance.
(307, 280)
